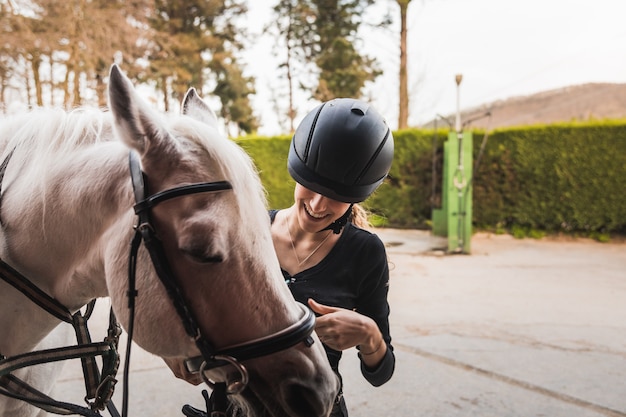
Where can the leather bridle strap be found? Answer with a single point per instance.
(298, 332)
(14, 387)
(98, 387)
(284, 339)
(34, 293)
(146, 232)
(205, 187)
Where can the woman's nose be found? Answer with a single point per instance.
(317, 203)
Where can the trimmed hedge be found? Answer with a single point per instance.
(565, 177)
(406, 198)
(554, 178)
(270, 157)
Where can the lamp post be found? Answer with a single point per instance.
(454, 219)
(458, 78)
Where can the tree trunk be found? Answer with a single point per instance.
(78, 100)
(66, 87)
(35, 64)
(403, 112)
(291, 113)
(3, 83)
(52, 83)
(166, 100)
(29, 95)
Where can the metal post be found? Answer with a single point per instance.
(454, 219)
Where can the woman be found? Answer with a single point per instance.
(339, 154)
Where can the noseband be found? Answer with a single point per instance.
(210, 357)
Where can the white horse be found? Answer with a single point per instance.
(66, 221)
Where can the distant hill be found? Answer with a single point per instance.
(593, 101)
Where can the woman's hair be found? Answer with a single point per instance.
(359, 217)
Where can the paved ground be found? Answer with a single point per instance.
(517, 328)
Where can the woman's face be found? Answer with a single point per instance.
(314, 211)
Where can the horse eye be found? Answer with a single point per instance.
(202, 257)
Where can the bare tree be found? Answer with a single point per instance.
(403, 111)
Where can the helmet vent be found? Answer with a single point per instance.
(311, 132)
(359, 108)
(358, 111)
(374, 157)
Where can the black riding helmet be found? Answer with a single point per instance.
(343, 150)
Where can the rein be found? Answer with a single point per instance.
(99, 387)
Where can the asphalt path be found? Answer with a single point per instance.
(516, 328)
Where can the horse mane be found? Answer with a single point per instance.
(47, 130)
(48, 136)
(45, 134)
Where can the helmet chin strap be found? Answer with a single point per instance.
(338, 224)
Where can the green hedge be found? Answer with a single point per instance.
(566, 177)
(270, 158)
(554, 178)
(405, 199)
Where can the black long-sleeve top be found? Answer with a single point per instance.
(355, 276)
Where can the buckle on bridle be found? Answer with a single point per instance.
(233, 387)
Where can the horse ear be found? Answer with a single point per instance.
(135, 122)
(198, 109)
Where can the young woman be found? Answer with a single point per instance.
(339, 154)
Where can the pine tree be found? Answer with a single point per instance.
(191, 37)
(327, 35)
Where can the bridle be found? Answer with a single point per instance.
(209, 358)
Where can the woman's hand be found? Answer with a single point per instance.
(179, 369)
(341, 329)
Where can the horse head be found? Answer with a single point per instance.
(218, 251)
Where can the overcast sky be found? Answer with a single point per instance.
(503, 48)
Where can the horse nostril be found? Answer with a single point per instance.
(303, 401)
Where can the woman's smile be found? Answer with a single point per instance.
(315, 216)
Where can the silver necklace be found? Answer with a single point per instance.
(293, 246)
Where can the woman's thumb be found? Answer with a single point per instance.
(320, 308)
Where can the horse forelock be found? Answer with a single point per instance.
(237, 168)
(251, 223)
